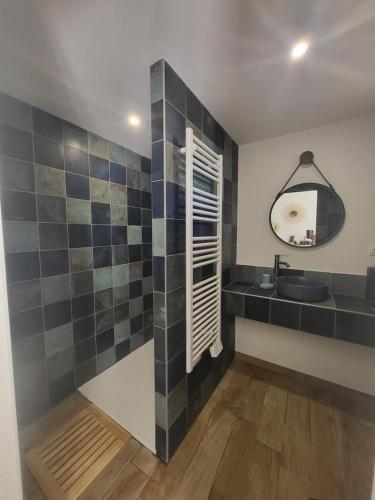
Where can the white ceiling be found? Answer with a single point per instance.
(88, 60)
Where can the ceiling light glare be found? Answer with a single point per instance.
(134, 120)
(299, 50)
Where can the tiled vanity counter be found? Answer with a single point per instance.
(342, 317)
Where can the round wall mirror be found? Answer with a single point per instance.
(307, 215)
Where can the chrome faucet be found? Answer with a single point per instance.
(278, 263)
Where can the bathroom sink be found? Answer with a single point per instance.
(301, 288)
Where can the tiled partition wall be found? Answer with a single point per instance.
(76, 212)
(180, 397)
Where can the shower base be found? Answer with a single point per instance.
(126, 392)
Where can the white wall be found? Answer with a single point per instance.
(343, 363)
(10, 472)
(345, 152)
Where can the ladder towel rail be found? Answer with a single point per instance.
(204, 192)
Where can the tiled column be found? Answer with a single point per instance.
(180, 397)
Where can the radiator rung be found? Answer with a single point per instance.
(205, 212)
(199, 306)
(214, 284)
(205, 219)
(202, 324)
(205, 238)
(211, 255)
(205, 148)
(204, 159)
(206, 344)
(208, 244)
(205, 167)
(204, 282)
(206, 193)
(205, 174)
(204, 330)
(205, 251)
(202, 314)
(204, 199)
(205, 263)
(207, 208)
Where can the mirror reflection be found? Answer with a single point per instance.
(307, 215)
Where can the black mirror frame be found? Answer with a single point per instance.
(292, 189)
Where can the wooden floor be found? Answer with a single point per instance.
(263, 435)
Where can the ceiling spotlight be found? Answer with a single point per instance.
(134, 120)
(299, 50)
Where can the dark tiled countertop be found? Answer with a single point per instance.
(343, 317)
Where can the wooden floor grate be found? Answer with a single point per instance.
(68, 461)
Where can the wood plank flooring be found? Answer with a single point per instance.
(266, 433)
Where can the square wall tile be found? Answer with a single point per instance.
(49, 181)
(15, 113)
(52, 236)
(101, 235)
(83, 328)
(22, 266)
(58, 339)
(18, 206)
(157, 172)
(318, 320)
(285, 314)
(356, 328)
(24, 295)
(98, 146)
(174, 126)
(100, 191)
(16, 174)
(82, 283)
(257, 308)
(175, 89)
(54, 262)
(176, 267)
(28, 351)
(157, 121)
(16, 143)
(80, 259)
(51, 209)
(26, 324)
(56, 288)
(117, 174)
(75, 136)
(20, 236)
(102, 278)
(47, 125)
(157, 79)
(77, 186)
(85, 372)
(48, 152)
(233, 304)
(78, 211)
(61, 388)
(116, 153)
(57, 314)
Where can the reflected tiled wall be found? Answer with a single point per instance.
(179, 396)
(76, 212)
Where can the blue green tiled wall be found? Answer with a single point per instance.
(76, 212)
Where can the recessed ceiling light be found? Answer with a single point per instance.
(134, 120)
(299, 50)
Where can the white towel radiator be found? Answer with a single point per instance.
(204, 188)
